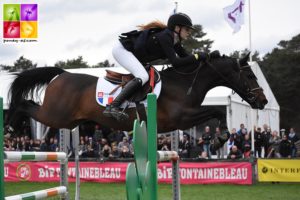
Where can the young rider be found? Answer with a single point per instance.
(160, 42)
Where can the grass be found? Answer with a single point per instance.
(116, 191)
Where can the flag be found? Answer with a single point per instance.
(174, 11)
(234, 14)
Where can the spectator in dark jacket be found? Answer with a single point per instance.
(206, 137)
(285, 147)
(293, 138)
(54, 146)
(44, 147)
(266, 137)
(246, 146)
(219, 139)
(236, 138)
(258, 142)
(184, 147)
(234, 153)
(115, 153)
(242, 130)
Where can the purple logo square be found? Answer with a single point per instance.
(29, 12)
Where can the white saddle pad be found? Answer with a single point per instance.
(104, 88)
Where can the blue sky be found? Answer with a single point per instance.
(69, 28)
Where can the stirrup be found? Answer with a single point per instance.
(107, 111)
(119, 115)
(116, 113)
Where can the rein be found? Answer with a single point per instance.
(189, 73)
(249, 92)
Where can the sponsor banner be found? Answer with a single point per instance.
(190, 173)
(281, 170)
(49, 171)
(210, 173)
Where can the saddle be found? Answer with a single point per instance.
(120, 80)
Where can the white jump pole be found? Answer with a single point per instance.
(75, 142)
(64, 140)
(175, 167)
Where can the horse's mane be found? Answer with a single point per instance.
(189, 68)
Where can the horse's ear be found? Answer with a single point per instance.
(245, 59)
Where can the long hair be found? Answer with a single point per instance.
(153, 24)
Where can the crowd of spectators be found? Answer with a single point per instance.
(24, 143)
(114, 144)
(117, 144)
(239, 144)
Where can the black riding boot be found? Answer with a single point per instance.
(113, 110)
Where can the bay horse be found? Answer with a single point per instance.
(70, 97)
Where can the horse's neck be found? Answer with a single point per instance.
(177, 107)
(177, 86)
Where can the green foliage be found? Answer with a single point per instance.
(5, 67)
(105, 63)
(240, 54)
(72, 64)
(20, 65)
(282, 70)
(24, 64)
(80, 63)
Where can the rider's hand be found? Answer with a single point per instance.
(202, 56)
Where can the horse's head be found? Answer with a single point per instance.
(239, 76)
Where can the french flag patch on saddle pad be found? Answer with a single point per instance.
(104, 88)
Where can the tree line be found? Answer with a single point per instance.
(23, 63)
(281, 68)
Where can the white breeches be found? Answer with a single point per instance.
(129, 62)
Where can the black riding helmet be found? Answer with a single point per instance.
(179, 19)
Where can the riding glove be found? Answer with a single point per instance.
(201, 56)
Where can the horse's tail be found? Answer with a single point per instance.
(27, 82)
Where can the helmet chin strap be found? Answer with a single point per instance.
(178, 33)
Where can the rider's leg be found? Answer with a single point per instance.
(132, 64)
(127, 60)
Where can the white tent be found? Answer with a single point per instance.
(239, 111)
(5, 82)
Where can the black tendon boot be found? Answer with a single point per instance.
(113, 110)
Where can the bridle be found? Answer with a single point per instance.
(251, 93)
